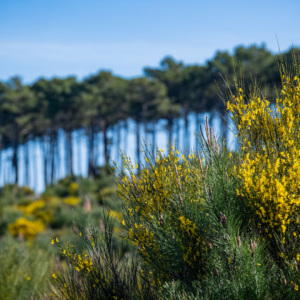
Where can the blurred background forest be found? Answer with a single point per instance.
(56, 117)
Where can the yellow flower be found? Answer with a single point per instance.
(123, 222)
(52, 242)
(54, 276)
(80, 234)
(28, 278)
(57, 241)
(162, 150)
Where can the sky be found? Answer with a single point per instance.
(43, 38)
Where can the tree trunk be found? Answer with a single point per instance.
(223, 119)
(15, 153)
(79, 152)
(105, 141)
(154, 137)
(52, 155)
(1, 153)
(35, 164)
(69, 152)
(45, 154)
(186, 131)
(198, 117)
(138, 141)
(125, 135)
(118, 142)
(91, 170)
(170, 130)
(144, 116)
(26, 158)
(178, 133)
(57, 157)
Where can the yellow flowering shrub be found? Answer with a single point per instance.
(72, 201)
(29, 229)
(269, 139)
(97, 271)
(116, 215)
(40, 209)
(32, 207)
(163, 202)
(73, 188)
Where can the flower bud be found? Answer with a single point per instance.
(239, 242)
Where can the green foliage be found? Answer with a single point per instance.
(98, 271)
(27, 221)
(191, 231)
(24, 271)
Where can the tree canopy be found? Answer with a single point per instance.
(104, 102)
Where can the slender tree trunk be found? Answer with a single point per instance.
(52, 155)
(91, 151)
(35, 164)
(118, 141)
(1, 153)
(138, 141)
(57, 157)
(126, 135)
(79, 152)
(45, 154)
(223, 119)
(105, 141)
(197, 130)
(178, 133)
(26, 158)
(154, 136)
(97, 143)
(15, 153)
(70, 152)
(186, 131)
(144, 116)
(170, 130)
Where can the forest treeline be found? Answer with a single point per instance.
(103, 102)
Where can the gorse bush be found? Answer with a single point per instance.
(205, 225)
(28, 229)
(269, 140)
(98, 271)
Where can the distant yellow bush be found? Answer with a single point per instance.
(32, 207)
(29, 229)
(71, 200)
(73, 188)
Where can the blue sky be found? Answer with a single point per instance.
(80, 37)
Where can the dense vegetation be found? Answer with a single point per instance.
(27, 221)
(208, 224)
(104, 103)
(211, 224)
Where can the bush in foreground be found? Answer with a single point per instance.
(206, 225)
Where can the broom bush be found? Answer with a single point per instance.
(211, 224)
